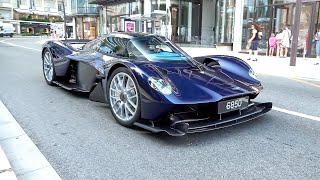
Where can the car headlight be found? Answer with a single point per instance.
(253, 74)
(160, 85)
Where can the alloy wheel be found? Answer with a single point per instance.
(48, 66)
(123, 96)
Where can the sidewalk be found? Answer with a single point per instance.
(6, 172)
(27, 162)
(274, 66)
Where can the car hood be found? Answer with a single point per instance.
(193, 84)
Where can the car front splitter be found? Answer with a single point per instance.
(180, 127)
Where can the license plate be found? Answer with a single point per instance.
(232, 105)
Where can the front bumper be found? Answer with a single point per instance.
(187, 122)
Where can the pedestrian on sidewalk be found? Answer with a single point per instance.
(317, 39)
(254, 40)
(279, 38)
(272, 44)
(286, 41)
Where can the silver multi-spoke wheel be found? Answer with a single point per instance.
(48, 66)
(123, 96)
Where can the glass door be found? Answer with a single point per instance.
(264, 19)
(115, 23)
(282, 17)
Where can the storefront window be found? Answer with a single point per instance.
(74, 6)
(264, 2)
(263, 19)
(90, 28)
(186, 21)
(81, 6)
(304, 27)
(79, 27)
(158, 5)
(136, 7)
(248, 17)
(283, 1)
(87, 27)
(119, 9)
(225, 21)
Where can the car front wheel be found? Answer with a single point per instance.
(123, 96)
(48, 68)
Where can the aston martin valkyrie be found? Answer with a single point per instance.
(150, 82)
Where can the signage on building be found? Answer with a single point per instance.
(129, 26)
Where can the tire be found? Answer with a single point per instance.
(124, 100)
(48, 67)
(11, 35)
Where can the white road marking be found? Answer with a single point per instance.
(315, 118)
(308, 79)
(20, 46)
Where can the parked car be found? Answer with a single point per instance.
(149, 82)
(6, 29)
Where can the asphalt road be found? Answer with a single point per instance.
(81, 139)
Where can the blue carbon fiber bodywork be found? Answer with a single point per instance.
(193, 82)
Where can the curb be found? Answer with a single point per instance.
(6, 171)
(26, 160)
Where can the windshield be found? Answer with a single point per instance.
(155, 49)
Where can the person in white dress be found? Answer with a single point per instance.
(286, 41)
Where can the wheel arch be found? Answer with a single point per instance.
(114, 67)
(43, 50)
(108, 73)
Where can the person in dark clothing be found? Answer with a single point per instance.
(254, 40)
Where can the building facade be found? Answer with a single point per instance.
(210, 23)
(31, 16)
(85, 19)
(200, 22)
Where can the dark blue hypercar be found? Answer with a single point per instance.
(149, 82)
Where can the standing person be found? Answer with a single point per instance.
(286, 41)
(272, 44)
(317, 39)
(279, 38)
(254, 40)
